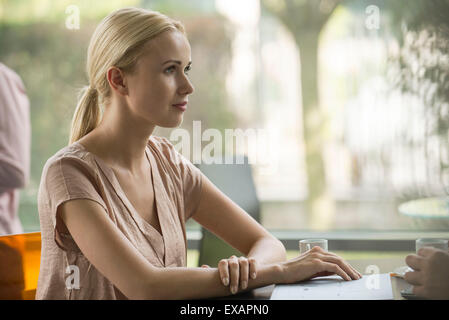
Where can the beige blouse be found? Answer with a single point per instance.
(75, 173)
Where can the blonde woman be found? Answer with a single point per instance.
(114, 203)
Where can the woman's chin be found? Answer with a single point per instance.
(172, 124)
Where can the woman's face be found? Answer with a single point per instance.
(159, 87)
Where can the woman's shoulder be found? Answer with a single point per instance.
(71, 173)
(163, 146)
(167, 153)
(73, 155)
(160, 142)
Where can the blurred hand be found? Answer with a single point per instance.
(430, 278)
(317, 263)
(236, 271)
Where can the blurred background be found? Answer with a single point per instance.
(354, 93)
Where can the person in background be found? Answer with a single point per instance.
(14, 148)
(430, 278)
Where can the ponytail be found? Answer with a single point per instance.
(87, 114)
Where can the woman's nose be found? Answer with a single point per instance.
(186, 87)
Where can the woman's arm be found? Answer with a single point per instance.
(118, 260)
(105, 246)
(220, 215)
(200, 283)
(268, 250)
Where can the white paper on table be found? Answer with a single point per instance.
(369, 287)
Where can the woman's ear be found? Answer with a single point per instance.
(116, 80)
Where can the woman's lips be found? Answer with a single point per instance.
(181, 106)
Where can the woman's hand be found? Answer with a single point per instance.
(316, 263)
(236, 271)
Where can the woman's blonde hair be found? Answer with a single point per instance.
(117, 41)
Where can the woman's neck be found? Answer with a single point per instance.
(119, 141)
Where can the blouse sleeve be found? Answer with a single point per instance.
(68, 178)
(190, 177)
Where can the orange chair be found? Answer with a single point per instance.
(20, 256)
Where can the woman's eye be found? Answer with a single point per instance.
(170, 69)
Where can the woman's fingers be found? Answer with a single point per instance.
(321, 274)
(352, 268)
(331, 267)
(244, 271)
(252, 268)
(347, 265)
(234, 273)
(224, 271)
(342, 264)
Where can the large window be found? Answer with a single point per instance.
(341, 107)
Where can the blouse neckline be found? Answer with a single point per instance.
(158, 241)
